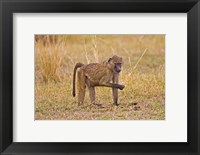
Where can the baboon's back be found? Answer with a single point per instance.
(96, 71)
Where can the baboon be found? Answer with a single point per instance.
(98, 74)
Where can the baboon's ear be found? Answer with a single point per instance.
(109, 59)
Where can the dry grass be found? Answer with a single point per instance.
(143, 75)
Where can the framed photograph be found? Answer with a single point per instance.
(99, 77)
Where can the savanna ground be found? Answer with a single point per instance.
(143, 75)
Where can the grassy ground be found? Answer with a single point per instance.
(143, 97)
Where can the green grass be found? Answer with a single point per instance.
(143, 97)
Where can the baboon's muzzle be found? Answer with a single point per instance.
(118, 69)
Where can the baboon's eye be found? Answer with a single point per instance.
(118, 64)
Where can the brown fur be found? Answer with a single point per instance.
(97, 74)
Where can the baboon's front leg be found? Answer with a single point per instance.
(115, 90)
(104, 82)
(112, 85)
(81, 86)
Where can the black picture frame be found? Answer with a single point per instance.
(8, 7)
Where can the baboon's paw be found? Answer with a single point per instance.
(121, 87)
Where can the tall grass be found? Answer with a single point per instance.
(49, 60)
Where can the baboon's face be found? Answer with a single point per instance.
(118, 67)
(116, 63)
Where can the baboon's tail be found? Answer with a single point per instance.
(74, 77)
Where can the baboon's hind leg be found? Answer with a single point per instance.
(81, 86)
(92, 94)
(91, 91)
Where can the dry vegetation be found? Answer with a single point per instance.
(143, 97)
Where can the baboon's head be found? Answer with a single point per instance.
(115, 63)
